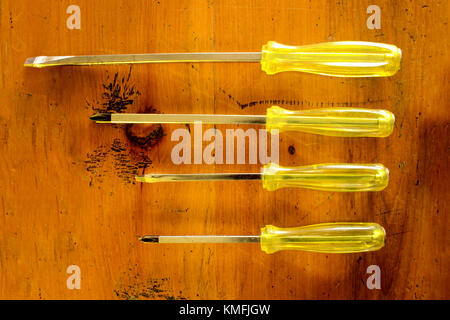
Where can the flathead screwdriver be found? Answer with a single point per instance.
(326, 177)
(342, 237)
(343, 122)
(339, 59)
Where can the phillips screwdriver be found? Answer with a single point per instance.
(339, 237)
(339, 59)
(343, 122)
(326, 177)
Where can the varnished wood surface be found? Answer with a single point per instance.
(67, 192)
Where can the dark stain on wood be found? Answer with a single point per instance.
(118, 94)
(95, 161)
(144, 135)
(150, 289)
(127, 158)
(303, 103)
(291, 150)
(126, 162)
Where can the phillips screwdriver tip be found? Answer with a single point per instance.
(101, 117)
(154, 239)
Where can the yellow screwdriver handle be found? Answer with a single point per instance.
(345, 237)
(339, 122)
(339, 59)
(327, 177)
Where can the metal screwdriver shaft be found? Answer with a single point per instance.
(50, 61)
(201, 239)
(339, 237)
(177, 118)
(198, 177)
(340, 59)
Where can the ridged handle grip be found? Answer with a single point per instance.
(339, 122)
(339, 59)
(326, 237)
(327, 177)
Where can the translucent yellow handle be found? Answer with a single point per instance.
(340, 122)
(339, 59)
(328, 177)
(325, 237)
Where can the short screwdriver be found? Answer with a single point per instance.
(343, 122)
(339, 59)
(326, 177)
(339, 237)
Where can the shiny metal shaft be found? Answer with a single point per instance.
(48, 61)
(198, 177)
(186, 118)
(201, 239)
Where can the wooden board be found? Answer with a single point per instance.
(67, 190)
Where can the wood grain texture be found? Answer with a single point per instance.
(67, 191)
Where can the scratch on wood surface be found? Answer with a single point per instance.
(296, 102)
(397, 233)
(390, 212)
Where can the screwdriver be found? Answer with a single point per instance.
(343, 122)
(338, 237)
(326, 177)
(340, 58)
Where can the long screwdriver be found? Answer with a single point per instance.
(326, 177)
(340, 237)
(343, 122)
(340, 59)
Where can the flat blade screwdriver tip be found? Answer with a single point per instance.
(29, 62)
(141, 179)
